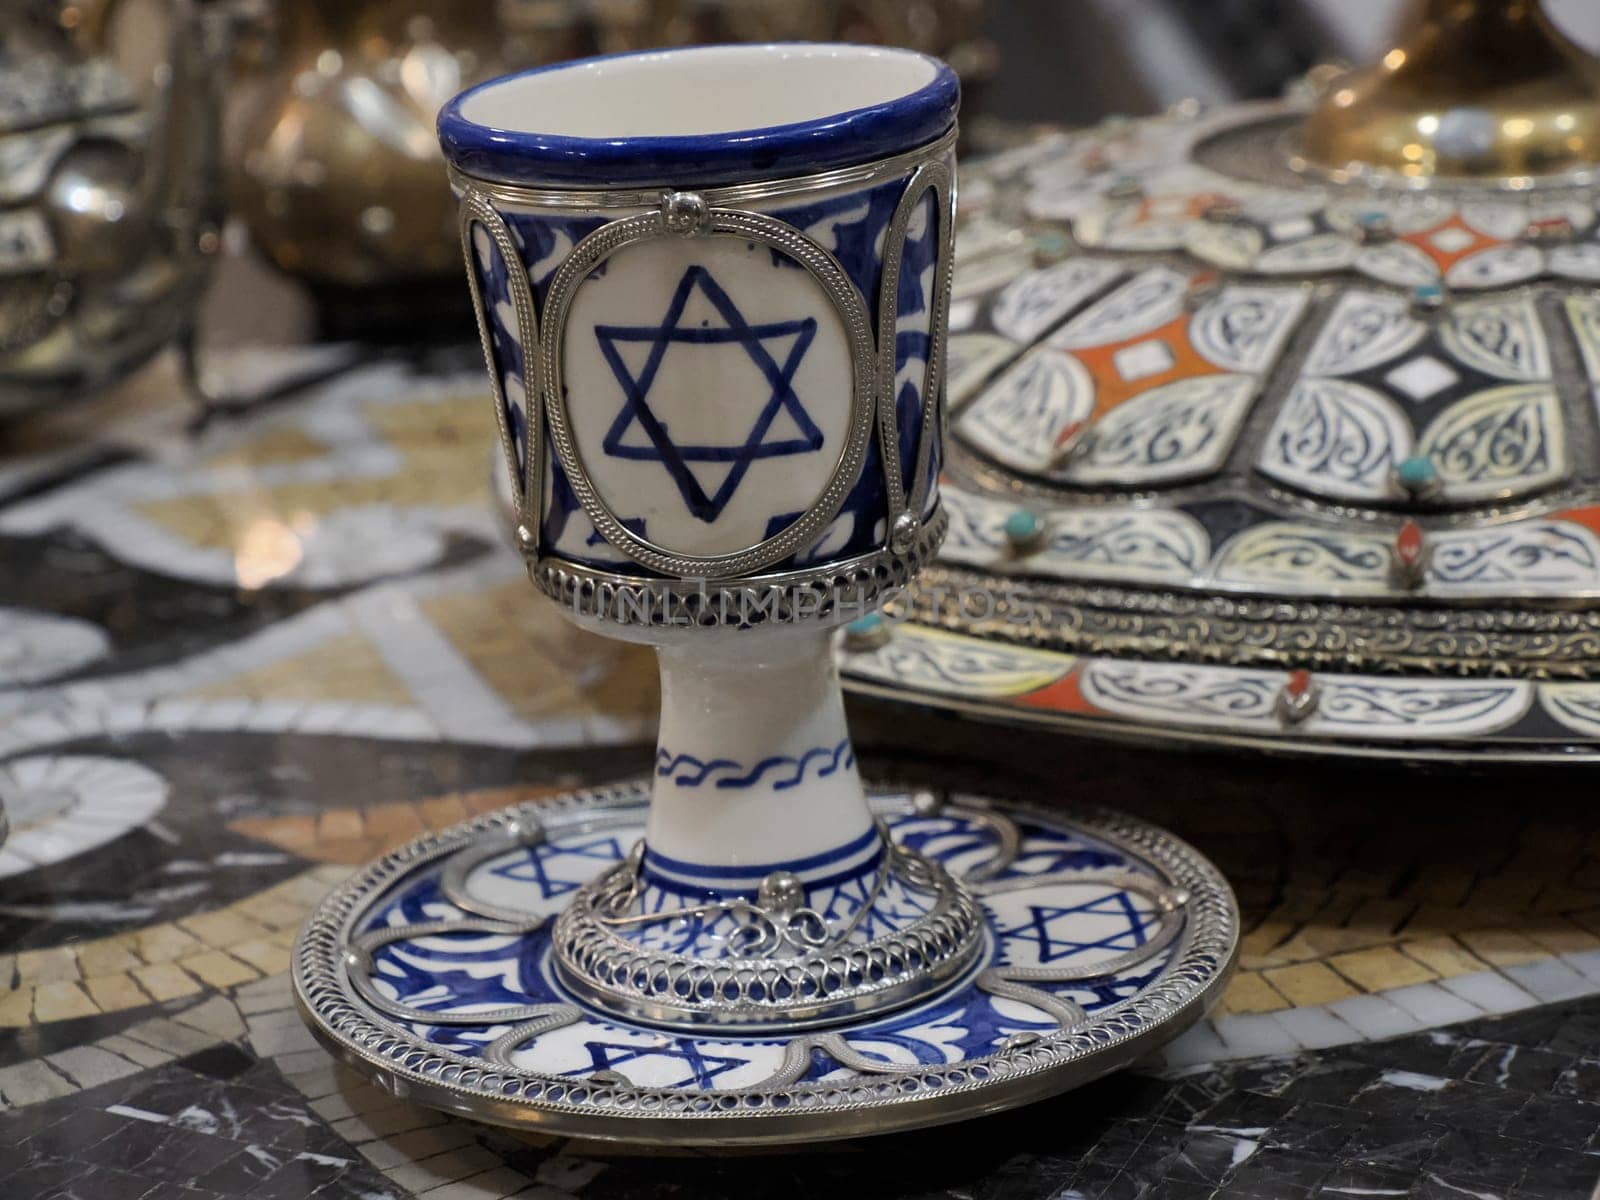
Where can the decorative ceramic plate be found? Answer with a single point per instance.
(1238, 455)
(431, 971)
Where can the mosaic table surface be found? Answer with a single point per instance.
(234, 666)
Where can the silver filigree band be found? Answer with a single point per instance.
(812, 595)
(784, 968)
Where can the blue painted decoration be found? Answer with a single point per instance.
(755, 341)
(697, 160)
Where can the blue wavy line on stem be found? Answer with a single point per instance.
(688, 771)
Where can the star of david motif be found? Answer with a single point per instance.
(701, 1069)
(535, 866)
(1050, 927)
(758, 342)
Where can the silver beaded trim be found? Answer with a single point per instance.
(864, 175)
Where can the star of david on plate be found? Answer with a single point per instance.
(1058, 931)
(776, 348)
(562, 867)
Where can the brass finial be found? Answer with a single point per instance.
(1478, 89)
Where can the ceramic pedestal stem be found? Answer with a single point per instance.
(754, 767)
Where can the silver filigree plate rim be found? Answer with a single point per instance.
(403, 1064)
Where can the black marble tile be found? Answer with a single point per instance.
(1559, 1121)
(1360, 1180)
(1475, 1107)
(1336, 1081)
(220, 1062)
(1555, 1174)
(1518, 1068)
(1315, 1128)
(1396, 1143)
(1580, 1079)
(175, 1131)
(1206, 1157)
(1474, 1159)
(1272, 1171)
(105, 1183)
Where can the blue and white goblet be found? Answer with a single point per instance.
(712, 285)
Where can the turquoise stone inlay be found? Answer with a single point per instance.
(1417, 473)
(1023, 527)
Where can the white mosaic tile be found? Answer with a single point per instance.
(1551, 980)
(1374, 1017)
(89, 1066)
(1199, 1045)
(1432, 1004)
(1489, 991)
(1314, 1028)
(1253, 1035)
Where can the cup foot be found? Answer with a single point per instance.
(434, 971)
(784, 956)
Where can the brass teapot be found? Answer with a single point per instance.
(109, 209)
(337, 173)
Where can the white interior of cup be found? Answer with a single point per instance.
(705, 90)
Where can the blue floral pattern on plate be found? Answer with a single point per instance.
(1063, 899)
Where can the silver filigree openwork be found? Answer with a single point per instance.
(912, 523)
(1186, 950)
(785, 967)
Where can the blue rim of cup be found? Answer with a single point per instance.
(842, 139)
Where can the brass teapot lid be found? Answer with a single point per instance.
(1475, 90)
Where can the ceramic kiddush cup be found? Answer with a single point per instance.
(712, 286)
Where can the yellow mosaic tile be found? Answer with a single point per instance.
(16, 1007)
(263, 956)
(218, 969)
(270, 447)
(164, 981)
(1561, 936)
(1380, 969)
(1444, 956)
(443, 811)
(59, 964)
(393, 824)
(61, 1002)
(341, 824)
(541, 664)
(275, 912)
(440, 441)
(222, 928)
(165, 943)
(1502, 947)
(343, 669)
(1248, 992)
(107, 956)
(115, 992)
(1305, 984)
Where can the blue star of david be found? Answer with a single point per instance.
(534, 868)
(1041, 927)
(735, 330)
(702, 1068)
